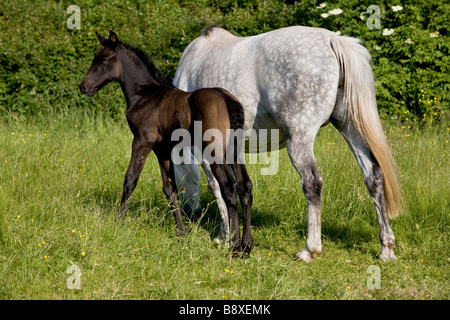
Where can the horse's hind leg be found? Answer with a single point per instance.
(244, 189)
(300, 151)
(373, 179)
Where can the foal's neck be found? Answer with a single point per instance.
(134, 78)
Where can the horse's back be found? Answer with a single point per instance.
(222, 58)
(287, 77)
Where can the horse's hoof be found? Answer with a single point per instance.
(237, 247)
(222, 240)
(247, 247)
(387, 254)
(304, 255)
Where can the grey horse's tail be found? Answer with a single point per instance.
(359, 97)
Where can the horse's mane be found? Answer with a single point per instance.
(208, 30)
(148, 62)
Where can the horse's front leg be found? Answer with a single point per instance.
(139, 153)
(170, 190)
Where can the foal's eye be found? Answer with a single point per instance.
(106, 59)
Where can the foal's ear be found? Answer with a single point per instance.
(101, 38)
(113, 37)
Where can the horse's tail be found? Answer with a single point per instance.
(234, 108)
(359, 98)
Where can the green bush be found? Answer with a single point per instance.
(42, 61)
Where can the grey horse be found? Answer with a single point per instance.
(297, 79)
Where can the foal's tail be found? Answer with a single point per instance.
(359, 97)
(236, 115)
(235, 110)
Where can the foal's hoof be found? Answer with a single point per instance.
(241, 250)
(236, 248)
(121, 214)
(247, 247)
(181, 233)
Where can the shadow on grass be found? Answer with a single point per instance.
(353, 234)
(348, 235)
(210, 218)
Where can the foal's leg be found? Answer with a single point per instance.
(227, 186)
(300, 151)
(373, 179)
(244, 189)
(139, 153)
(215, 189)
(170, 190)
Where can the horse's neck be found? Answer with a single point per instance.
(134, 79)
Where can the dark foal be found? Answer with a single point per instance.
(155, 109)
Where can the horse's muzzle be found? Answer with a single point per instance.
(89, 92)
(82, 88)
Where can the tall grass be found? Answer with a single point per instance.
(60, 184)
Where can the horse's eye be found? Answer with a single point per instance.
(106, 60)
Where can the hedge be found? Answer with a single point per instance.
(43, 61)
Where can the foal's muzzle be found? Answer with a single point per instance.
(89, 92)
(82, 88)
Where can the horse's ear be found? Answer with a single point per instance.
(101, 38)
(113, 37)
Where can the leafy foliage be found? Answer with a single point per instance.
(42, 61)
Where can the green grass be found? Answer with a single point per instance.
(61, 181)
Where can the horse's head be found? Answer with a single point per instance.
(104, 68)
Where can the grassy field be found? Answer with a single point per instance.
(60, 185)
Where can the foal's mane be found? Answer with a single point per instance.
(148, 62)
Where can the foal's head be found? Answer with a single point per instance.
(105, 67)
